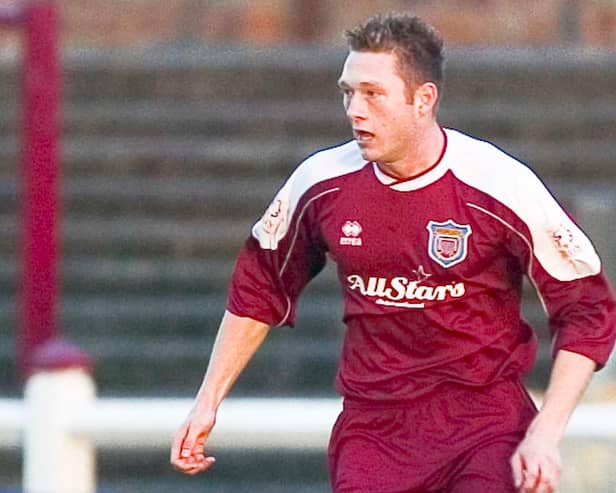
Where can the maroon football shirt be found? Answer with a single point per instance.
(431, 268)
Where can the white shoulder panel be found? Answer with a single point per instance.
(323, 165)
(559, 245)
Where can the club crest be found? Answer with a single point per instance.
(448, 242)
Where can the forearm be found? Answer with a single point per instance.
(237, 341)
(570, 376)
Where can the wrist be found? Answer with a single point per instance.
(206, 402)
(549, 428)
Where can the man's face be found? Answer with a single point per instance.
(379, 106)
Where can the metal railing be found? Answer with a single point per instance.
(60, 424)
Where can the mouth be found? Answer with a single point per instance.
(363, 136)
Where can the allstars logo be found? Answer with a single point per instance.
(405, 292)
(448, 242)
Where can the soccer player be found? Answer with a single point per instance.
(432, 232)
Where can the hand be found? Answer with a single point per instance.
(536, 464)
(187, 451)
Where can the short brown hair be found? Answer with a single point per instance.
(417, 45)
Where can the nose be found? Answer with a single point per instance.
(355, 107)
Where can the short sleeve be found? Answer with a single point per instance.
(283, 253)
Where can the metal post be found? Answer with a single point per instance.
(60, 389)
(40, 178)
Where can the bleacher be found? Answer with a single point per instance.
(170, 155)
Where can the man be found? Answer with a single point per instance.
(432, 232)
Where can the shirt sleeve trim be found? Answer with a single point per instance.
(292, 246)
(526, 241)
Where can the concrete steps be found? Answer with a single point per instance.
(570, 141)
(169, 157)
(309, 118)
(250, 74)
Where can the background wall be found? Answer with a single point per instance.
(463, 22)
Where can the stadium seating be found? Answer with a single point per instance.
(170, 155)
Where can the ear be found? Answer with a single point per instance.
(425, 99)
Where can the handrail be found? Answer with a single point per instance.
(256, 423)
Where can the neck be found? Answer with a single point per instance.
(425, 153)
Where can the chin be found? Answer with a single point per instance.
(368, 155)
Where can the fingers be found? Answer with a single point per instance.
(550, 476)
(192, 467)
(532, 477)
(517, 466)
(187, 454)
(178, 440)
(537, 482)
(189, 446)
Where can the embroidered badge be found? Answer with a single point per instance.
(448, 242)
(273, 217)
(351, 231)
(565, 241)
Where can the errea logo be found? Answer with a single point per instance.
(351, 231)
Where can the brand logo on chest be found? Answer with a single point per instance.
(404, 292)
(448, 242)
(352, 233)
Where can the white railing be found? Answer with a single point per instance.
(60, 423)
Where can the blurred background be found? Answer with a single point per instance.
(181, 118)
